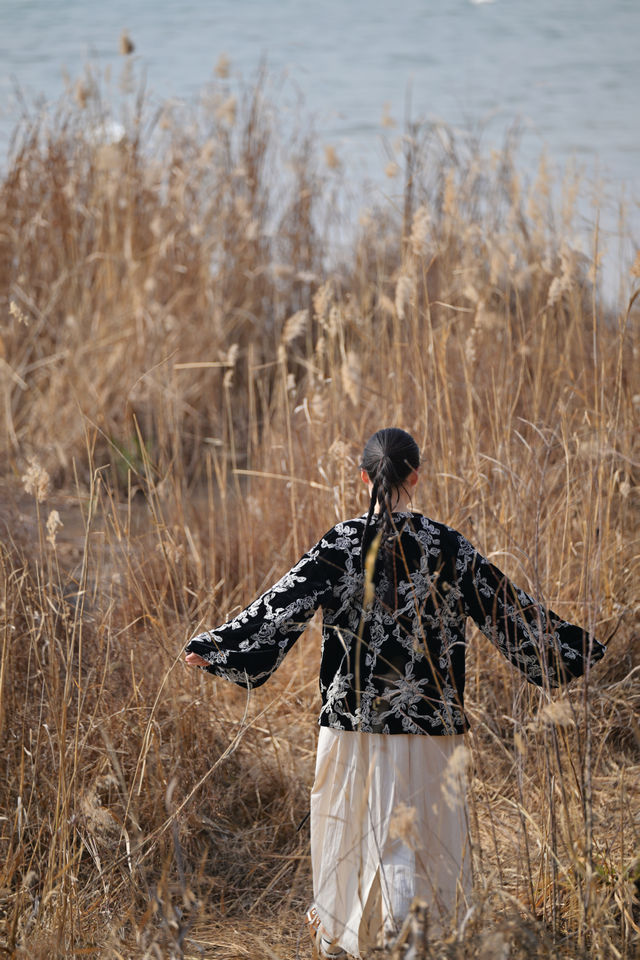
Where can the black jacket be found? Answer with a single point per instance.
(399, 670)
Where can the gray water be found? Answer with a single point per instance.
(567, 70)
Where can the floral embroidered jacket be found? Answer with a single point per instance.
(402, 670)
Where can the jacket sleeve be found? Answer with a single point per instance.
(539, 642)
(250, 647)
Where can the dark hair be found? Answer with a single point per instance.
(389, 457)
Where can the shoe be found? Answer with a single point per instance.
(324, 947)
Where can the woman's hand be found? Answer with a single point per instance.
(195, 660)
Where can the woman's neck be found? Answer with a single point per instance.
(400, 501)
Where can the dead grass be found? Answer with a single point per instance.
(195, 375)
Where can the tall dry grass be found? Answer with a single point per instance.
(187, 377)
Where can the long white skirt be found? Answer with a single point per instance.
(388, 824)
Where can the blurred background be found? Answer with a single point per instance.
(567, 74)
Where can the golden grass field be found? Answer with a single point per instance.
(188, 372)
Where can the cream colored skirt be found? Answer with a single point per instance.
(388, 824)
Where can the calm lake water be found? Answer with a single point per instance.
(568, 70)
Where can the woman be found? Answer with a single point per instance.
(396, 589)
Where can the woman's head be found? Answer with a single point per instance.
(390, 458)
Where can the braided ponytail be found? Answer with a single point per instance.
(389, 456)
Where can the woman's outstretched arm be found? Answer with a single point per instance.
(248, 648)
(540, 643)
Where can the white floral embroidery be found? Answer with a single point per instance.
(402, 670)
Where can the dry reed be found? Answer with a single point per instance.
(186, 381)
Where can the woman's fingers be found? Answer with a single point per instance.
(195, 660)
